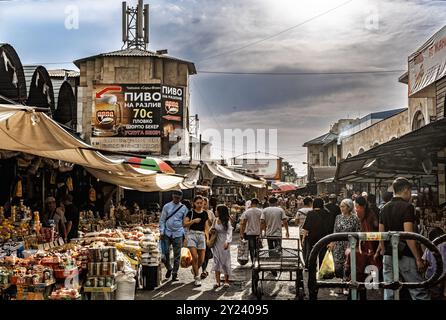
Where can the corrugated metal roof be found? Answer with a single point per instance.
(323, 139)
(133, 52)
(29, 72)
(61, 73)
(9, 89)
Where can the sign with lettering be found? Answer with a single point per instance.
(127, 117)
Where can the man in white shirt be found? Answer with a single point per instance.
(302, 212)
(250, 226)
(272, 220)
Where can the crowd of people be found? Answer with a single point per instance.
(360, 213)
(188, 224)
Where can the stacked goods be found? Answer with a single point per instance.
(32, 275)
(65, 294)
(5, 275)
(102, 267)
(151, 255)
(107, 236)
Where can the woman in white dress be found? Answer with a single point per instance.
(221, 249)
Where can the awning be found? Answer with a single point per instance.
(24, 130)
(323, 173)
(279, 187)
(410, 156)
(213, 169)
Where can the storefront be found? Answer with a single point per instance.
(418, 156)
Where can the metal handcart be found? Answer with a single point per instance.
(287, 257)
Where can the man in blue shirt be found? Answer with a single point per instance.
(172, 232)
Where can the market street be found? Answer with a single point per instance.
(134, 130)
(240, 285)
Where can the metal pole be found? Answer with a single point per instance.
(200, 148)
(352, 241)
(395, 262)
(43, 190)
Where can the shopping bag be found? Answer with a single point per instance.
(186, 258)
(242, 252)
(327, 268)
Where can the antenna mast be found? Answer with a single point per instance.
(135, 25)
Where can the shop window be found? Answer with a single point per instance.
(418, 121)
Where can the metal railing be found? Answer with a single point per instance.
(353, 237)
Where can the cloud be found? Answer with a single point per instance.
(360, 35)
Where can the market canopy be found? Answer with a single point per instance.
(279, 187)
(214, 169)
(411, 156)
(25, 130)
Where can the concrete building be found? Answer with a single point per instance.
(426, 80)
(347, 138)
(391, 124)
(323, 154)
(133, 68)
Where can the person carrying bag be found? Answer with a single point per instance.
(172, 233)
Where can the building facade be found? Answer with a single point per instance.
(134, 100)
(378, 133)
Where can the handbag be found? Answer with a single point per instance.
(212, 235)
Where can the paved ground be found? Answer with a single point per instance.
(240, 285)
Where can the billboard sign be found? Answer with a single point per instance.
(127, 117)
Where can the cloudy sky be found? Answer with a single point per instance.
(251, 36)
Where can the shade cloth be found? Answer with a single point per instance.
(25, 130)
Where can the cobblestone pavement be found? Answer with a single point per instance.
(240, 288)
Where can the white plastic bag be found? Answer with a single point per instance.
(126, 286)
(242, 252)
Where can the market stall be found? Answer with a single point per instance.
(35, 264)
(418, 156)
(114, 250)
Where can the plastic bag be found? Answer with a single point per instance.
(186, 258)
(327, 269)
(242, 252)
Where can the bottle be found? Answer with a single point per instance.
(13, 214)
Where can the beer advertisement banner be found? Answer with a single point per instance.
(171, 114)
(130, 111)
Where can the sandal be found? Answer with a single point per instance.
(226, 285)
(204, 275)
(216, 286)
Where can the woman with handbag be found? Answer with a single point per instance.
(365, 252)
(197, 234)
(347, 221)
(221, 247)
(208, 254)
